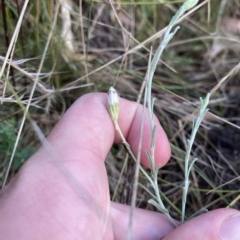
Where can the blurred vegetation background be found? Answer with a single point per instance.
(96, 44)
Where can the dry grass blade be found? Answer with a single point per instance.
(30, 97)
(12, 44)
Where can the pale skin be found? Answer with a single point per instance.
(65, 195)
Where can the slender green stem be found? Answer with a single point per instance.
(187, 168)
(166, 39)
(153, 181)
(127, 146)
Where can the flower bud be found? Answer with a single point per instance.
(113, 104)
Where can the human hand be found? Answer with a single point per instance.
(62, 191)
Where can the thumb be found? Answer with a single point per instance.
(220, 224)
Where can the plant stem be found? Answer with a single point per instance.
(187, 168)
(153, 181)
